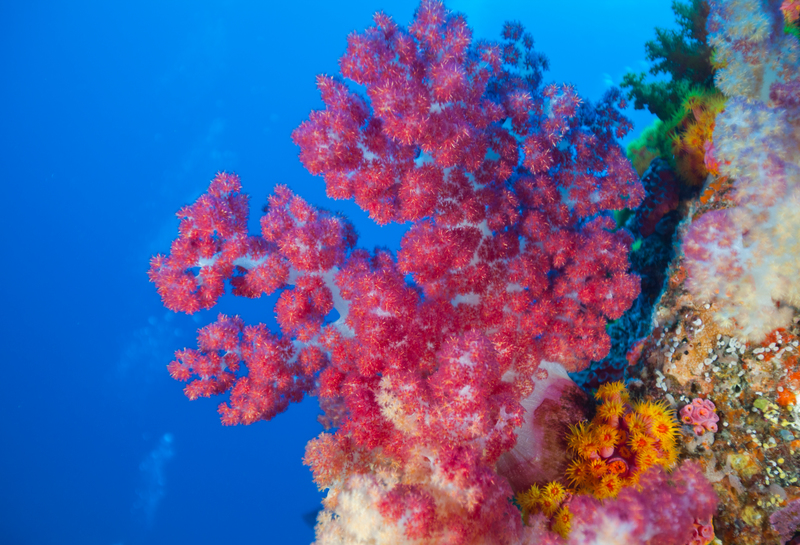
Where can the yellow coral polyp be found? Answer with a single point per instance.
(611, 451)
(610, 410)
(606, 436)
(641, 442)
(550, 501)
(578, 436)
(646, 458)
(529, 499)
(546, 499)
(609, 487)
(693, 127)
(622, 441)
(562, 521)
(651, 409)
(612, 390)
(551, 497)
(597, 468)
(554, 489)
(670, 456)
(578, 474)
(636, 423)
(664, 428)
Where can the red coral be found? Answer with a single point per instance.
(213, 232)
(512, 258)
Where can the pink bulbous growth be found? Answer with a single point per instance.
(701, 414)
(703, 532)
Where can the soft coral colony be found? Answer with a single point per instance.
(443, 370)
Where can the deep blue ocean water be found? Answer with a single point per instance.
(113, 115)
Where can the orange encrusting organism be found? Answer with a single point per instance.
(713, 188)
(791, 383)
(775, 337)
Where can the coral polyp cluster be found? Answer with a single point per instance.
(682, 140)
(701, 414)
(622, 441)
(692, 135)
(626, 485)
(551, 500)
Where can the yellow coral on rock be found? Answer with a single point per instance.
(694, 127)
(612, 452)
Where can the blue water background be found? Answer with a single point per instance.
(113, 115)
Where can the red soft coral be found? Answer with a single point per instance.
(511, 260)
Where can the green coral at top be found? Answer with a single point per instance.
(684, 55)
(685, 103)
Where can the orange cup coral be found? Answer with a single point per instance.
(622, 441)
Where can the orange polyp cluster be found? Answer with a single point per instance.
(622, 441)
(693, 131)
(550, 500)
